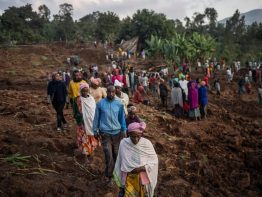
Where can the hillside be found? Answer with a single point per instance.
(219, 156)
(250, 17)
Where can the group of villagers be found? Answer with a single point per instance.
(105, 117)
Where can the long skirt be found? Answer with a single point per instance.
(194, 113)
(134, 186)
(85, 143)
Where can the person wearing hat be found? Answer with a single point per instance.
(203, 100)
(84, 111)
(97, 92)
(136, 167)
(109, 124)
(123, 97)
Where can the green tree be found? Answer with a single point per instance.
(126, 31)
(235, 26)
(147, 23)
(65, 28)
(108, 25)
(179, 28)
(44, 12)
(22, 24)
(198, 21)
(211, 15)
(87, 25)
(203, 46)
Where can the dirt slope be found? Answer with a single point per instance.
(220, 156)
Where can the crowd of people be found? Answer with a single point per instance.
(104, 114)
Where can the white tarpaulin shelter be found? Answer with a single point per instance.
(130, 45)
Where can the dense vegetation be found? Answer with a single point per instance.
(199, 35)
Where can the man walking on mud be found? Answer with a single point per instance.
(109, 125)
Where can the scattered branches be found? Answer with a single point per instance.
(83, 167)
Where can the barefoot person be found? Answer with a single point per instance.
(136, 167)
(57, 94)
(110, 124)
(84, 111)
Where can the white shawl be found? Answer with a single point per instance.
(125, 100)
(176, 97)
(131, 156)
(88, 105)
(183, 85)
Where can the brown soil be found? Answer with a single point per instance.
(219, 156)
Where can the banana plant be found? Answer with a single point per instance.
(170, 51)
(203, 46)
(155, 47)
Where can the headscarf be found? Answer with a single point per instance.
(138, 127)
(95, 81)
(131, 109)
(118, 83)
(83, 85)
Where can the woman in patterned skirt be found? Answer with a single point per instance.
(84, 111)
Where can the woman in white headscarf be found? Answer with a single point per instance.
(84, 107)
(136, 167)
(123, 97)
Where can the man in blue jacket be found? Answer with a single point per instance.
(109, 124)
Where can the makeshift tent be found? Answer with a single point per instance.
(130, 45)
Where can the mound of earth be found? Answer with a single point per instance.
(218, 156)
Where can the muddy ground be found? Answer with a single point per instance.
(219, 156)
